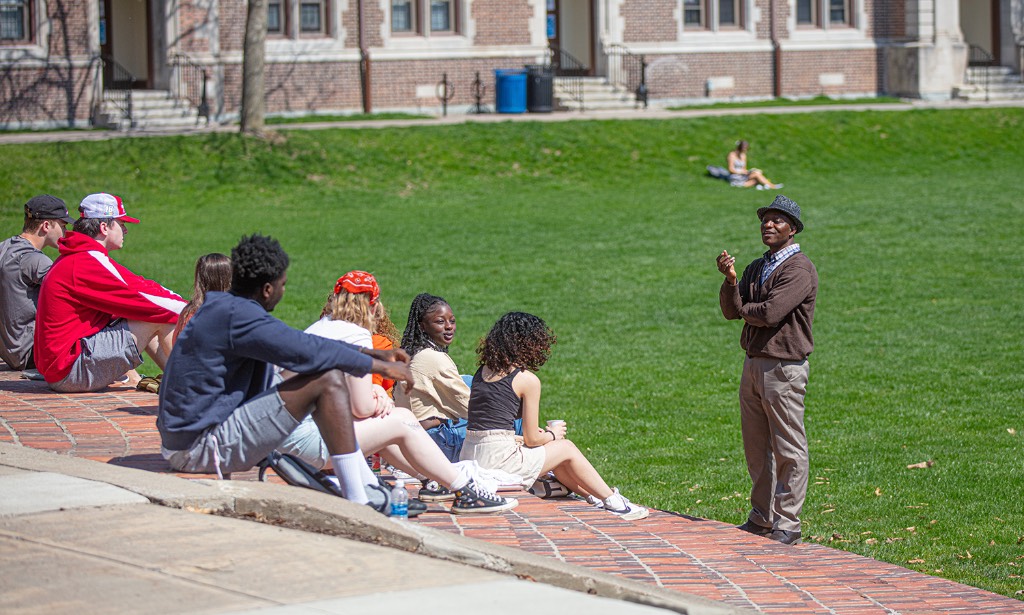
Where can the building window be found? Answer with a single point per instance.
(809, 12)
(403, 16)
(424, 16)
(15, 20)
(311, 17)
(712, 14)
(694, 15)
(442, 16)
(275, 17)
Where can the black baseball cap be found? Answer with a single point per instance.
(47, 207)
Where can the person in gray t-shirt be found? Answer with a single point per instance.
(22, 267)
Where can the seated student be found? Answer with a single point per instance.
(95, 316)
(213, 273)
(439, 397)
(385, 337)
(505, 388)
(218, 411)
(740, 176)
(22, 267)
(380, 426)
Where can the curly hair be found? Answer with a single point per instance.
(415, 339)
(518, 339)
(383, 325)
(256, 260)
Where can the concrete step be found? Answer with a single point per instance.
(151, 109)
(596, 92)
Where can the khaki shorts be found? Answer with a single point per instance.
(498, 449)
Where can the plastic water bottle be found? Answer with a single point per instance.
(400, 502)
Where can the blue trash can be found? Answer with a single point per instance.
(510, 90)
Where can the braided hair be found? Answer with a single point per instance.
(415, 339)
(518, 339)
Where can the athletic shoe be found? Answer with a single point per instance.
(786, 537)
(432, 491)
(761, 187)
(617, 504)
(779, 186)
(473, 499)
(593, 500)
(416, 507)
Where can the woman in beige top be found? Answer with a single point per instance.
(439, 397)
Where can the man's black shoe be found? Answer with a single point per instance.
(785, 537)
(753, 528)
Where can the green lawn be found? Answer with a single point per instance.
(609, 231)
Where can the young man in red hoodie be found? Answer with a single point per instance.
(94, 316)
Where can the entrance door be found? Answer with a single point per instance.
(124, 37)
(570, 27)
(979, 21)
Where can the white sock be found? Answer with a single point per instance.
(346, 468)
(461, 481)
(368, 477)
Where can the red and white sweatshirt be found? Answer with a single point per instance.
(82, 293)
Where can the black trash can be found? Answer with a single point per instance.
(540, 88)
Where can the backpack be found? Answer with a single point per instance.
(297, 472)
(718, 172)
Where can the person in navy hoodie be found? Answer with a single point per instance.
(219, 410)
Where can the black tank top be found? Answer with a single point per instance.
(493, 405)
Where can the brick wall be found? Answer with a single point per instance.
(56, 96)
(299, 87)
(502, 22)
(650, 20)
(194, 25)
(373, 18)
(68, 22)
(231, 18)
(685, 76)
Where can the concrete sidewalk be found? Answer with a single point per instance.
(80, 536)
(62, 136)
(670, 561)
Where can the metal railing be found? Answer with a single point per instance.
(571, 71)
(118, 82)
(627, 71)
(189, 82)
(980, 58)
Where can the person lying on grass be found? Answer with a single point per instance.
(505, 387)
(379, 425)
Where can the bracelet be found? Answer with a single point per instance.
(553, 436)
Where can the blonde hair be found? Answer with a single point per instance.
(354, 308)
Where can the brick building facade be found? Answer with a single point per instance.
(52, 74)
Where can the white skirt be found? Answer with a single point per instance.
(498, 449)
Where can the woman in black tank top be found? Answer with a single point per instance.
(505, 388)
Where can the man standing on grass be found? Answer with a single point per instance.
(220, 413)
(95, 316)
(775, 298)
(22, 267)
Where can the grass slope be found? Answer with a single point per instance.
(609, 231)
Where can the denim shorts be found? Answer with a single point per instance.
(106, 356)
(244, 439)
(449, 436)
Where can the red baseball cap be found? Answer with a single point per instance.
(103, 205)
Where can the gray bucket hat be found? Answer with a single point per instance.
(786, 206)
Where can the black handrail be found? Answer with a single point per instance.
(627, 70)
(190, 84)
(571, 70)
(118, 82)
(980, 57)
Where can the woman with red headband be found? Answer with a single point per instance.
(349, 316)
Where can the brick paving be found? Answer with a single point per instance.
(697, 556)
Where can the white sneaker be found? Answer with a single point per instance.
(761, 187)
(593, 500)
(617, 504)
(778, 186)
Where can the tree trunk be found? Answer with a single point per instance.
(253, 82)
